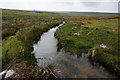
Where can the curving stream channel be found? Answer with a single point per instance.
(68, 66)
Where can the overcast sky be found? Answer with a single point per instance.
(62, 5)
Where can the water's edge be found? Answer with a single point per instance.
(68, 66)
(46, 47)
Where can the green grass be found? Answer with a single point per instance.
(111, 62)
(13, 20)
(21, 29)
(92, 34)
(109, 24)
(21, 46)
(11, 48)
(88, 37)
(108, 58)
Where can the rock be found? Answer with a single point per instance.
(9, 73)
(93, 53)
(103, 45)
(76, 34)
(2, 74)
(21, 70)
(64, 22)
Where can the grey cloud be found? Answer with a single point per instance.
(91, 4)
(61, 5)
(68, 3)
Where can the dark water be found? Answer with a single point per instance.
(67, 65)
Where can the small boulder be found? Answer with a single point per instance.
(76, 34)
(103, 45)
(9, 73)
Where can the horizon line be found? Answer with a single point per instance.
(62, 11)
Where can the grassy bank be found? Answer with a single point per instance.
(21, 29)
(13, 20)
(96, 36)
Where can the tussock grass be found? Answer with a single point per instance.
(92, 34)
(21, 29)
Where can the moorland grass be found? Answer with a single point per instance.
(80, 34)
(83, 38)
(21, 29)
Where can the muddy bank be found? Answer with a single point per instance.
(24, 70)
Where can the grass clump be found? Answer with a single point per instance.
(111, 62)
(13, 52)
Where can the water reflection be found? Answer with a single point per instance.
(46, 48)
(68, 66)
(71, 66)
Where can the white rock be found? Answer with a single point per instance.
(76, 34)
(103, 45)
(2, 73)
(93, 53)
(64, 22)
(9, 73)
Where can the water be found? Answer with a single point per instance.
(67, 65)
(46, 48)
(73, 66)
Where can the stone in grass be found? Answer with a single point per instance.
(103, 45)
(76, 34)
(9, 73)
(93, 53)
(2, 74)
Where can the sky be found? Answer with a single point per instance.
(62, 5)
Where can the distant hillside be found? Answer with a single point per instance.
(88, 13)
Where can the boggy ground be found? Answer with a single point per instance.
(81, 33)
(97, 36)
(20, 30)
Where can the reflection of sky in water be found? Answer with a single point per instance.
(71, 66)
(45, 50)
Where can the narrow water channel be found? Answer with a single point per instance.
(67, 65)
